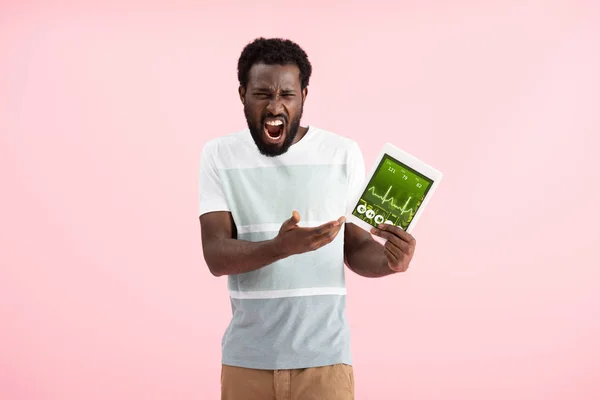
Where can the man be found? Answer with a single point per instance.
(272, 204)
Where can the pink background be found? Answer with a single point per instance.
(104, 109)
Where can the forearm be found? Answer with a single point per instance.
(369, 260)
(233, 256)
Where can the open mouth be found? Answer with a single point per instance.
(274, 130)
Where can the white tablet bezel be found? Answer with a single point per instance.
(410, 161)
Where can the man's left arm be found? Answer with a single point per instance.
(367, 257)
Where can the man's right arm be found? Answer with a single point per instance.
(225, 254)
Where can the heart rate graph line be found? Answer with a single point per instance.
(384, 199)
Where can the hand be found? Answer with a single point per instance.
(293, 239)
(399, 247)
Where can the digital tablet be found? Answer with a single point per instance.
(396, 191)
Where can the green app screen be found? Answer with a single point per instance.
(393, 195)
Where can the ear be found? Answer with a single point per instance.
(304, 94)
(242, 93)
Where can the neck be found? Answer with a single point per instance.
(301, 132)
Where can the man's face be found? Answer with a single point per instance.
(273, 101)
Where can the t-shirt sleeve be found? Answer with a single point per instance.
(356, 174)
(211, 196)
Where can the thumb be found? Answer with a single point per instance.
(292, 222)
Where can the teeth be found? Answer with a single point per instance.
(274, 123)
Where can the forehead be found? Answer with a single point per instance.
(264, 75)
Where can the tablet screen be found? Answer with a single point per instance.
(393, 195)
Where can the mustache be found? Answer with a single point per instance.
(270, 115)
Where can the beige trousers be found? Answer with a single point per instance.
(334, 382)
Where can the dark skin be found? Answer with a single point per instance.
(276, 90)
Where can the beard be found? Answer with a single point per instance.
(257, 132)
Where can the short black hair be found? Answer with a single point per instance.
(273, 51)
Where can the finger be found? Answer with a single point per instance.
(291, 222)
(324, 238)
(397, 231)
(323, 229)
(295, 216)
(403, 247)
(392, 260)
(394, 263)
(328, 235)
(397, 252)
(399, 243)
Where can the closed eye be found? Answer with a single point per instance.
(266, 94)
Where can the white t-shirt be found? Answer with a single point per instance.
(289, 314)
